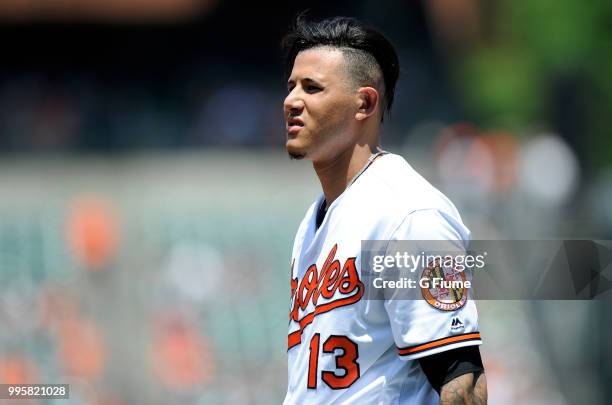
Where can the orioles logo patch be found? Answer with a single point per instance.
(443, 287)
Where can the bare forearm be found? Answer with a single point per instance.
(465, 389)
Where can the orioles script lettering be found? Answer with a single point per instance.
(319, 287)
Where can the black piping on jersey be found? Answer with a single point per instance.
(321, 211)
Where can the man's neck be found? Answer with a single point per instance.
(336, 174)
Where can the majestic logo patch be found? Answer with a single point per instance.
(443, 287)
(333, 286)
(456, 324)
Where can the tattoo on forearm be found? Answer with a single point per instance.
(465, 389)
(480, 390)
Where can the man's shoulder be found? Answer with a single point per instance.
(388, 193)
(395, 185)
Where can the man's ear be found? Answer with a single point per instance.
(368, 102)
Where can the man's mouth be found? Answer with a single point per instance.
(294, 121)
(294, 125)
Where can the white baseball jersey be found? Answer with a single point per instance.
(343, 349)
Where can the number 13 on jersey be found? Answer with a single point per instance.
(347, 361)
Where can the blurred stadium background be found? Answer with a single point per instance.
(147, 207)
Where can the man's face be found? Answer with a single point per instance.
(320, 107)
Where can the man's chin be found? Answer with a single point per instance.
(295, 153)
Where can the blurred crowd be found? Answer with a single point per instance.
(37, 114)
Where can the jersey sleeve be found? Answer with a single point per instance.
(422, 320)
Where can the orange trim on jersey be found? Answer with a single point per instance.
(438, 343)
(295, 338)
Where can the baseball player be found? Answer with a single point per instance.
(342, 347)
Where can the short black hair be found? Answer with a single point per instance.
(366, 50)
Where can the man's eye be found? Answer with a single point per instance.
(312, 88)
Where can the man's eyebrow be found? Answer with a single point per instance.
(310, 80)
(305, 79)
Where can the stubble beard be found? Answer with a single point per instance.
(296, 156)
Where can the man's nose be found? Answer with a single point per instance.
(293, 104)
